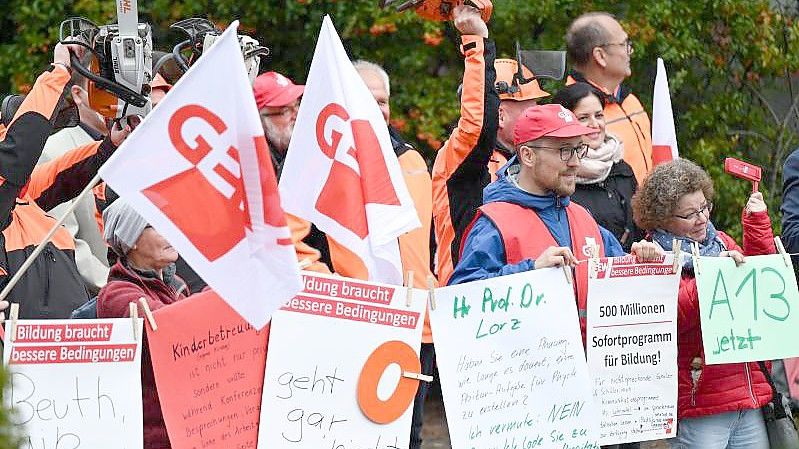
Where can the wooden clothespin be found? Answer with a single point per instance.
(304, 263)
(695, 252)
(676, 248)
(148, 313)
(417, 376)
(781, 249)
(134, 318)
(431, 291)
(13, 316)
(568, 272)
(409, 285)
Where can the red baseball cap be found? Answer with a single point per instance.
(549, 120)
(275, 90)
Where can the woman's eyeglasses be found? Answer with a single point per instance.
(693, 216)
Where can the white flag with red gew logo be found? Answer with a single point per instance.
(198, 169)
(664, 134)
(341, 172)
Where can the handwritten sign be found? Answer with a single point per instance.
(748, 313)
(75, 383)
(513, 373)
(209, 366)
(336, 355)
(631, 346)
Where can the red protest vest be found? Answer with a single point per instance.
(526, 236)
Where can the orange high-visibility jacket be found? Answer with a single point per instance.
(466, 162)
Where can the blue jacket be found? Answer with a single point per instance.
(790, 203)
(484, 253)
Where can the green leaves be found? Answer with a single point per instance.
(729, 62)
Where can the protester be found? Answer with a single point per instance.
(600, 51)
(414, 245)
(605, 183)
(90, 249)
(145, 269)
(717, 405)
(527, 220)
(52, 286)
(278, 100)
(790, 203)
(483, 139)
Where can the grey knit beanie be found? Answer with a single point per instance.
(123, 226)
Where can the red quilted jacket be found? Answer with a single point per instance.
(125, 286)
(727, 387)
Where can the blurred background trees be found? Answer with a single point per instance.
(732, 63)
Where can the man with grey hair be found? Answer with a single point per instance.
(414, 245)
(600, 50)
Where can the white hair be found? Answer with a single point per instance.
(362, 65)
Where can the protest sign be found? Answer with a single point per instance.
(746, 311)
(631, 346)
(75, 383)
(511, 361)
(336, 356)
(209, 366)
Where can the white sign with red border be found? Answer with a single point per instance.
(631, 346)
(75, 383)
(335, 376)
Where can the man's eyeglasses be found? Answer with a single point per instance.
(566, 152)
(284, 112)
(693, 216)
(628, 43)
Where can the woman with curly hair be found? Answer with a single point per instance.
(718, 406)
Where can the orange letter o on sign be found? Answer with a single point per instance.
(377, 410)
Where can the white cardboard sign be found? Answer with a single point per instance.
(511, 361)
(632, 348)
(319, 345)
(75, 383)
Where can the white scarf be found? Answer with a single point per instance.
(596, 165)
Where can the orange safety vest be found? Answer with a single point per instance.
(526, 236)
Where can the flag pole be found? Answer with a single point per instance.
(29, 261)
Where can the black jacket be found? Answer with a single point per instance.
(610, 202)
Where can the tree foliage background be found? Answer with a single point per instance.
(731, 63)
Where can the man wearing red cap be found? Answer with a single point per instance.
(491, 101)
(527, 220)
(278, 100)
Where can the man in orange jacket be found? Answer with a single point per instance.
(483, 140)
(600, 51)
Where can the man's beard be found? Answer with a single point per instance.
(277, 137)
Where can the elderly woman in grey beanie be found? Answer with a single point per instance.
(145, 269)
